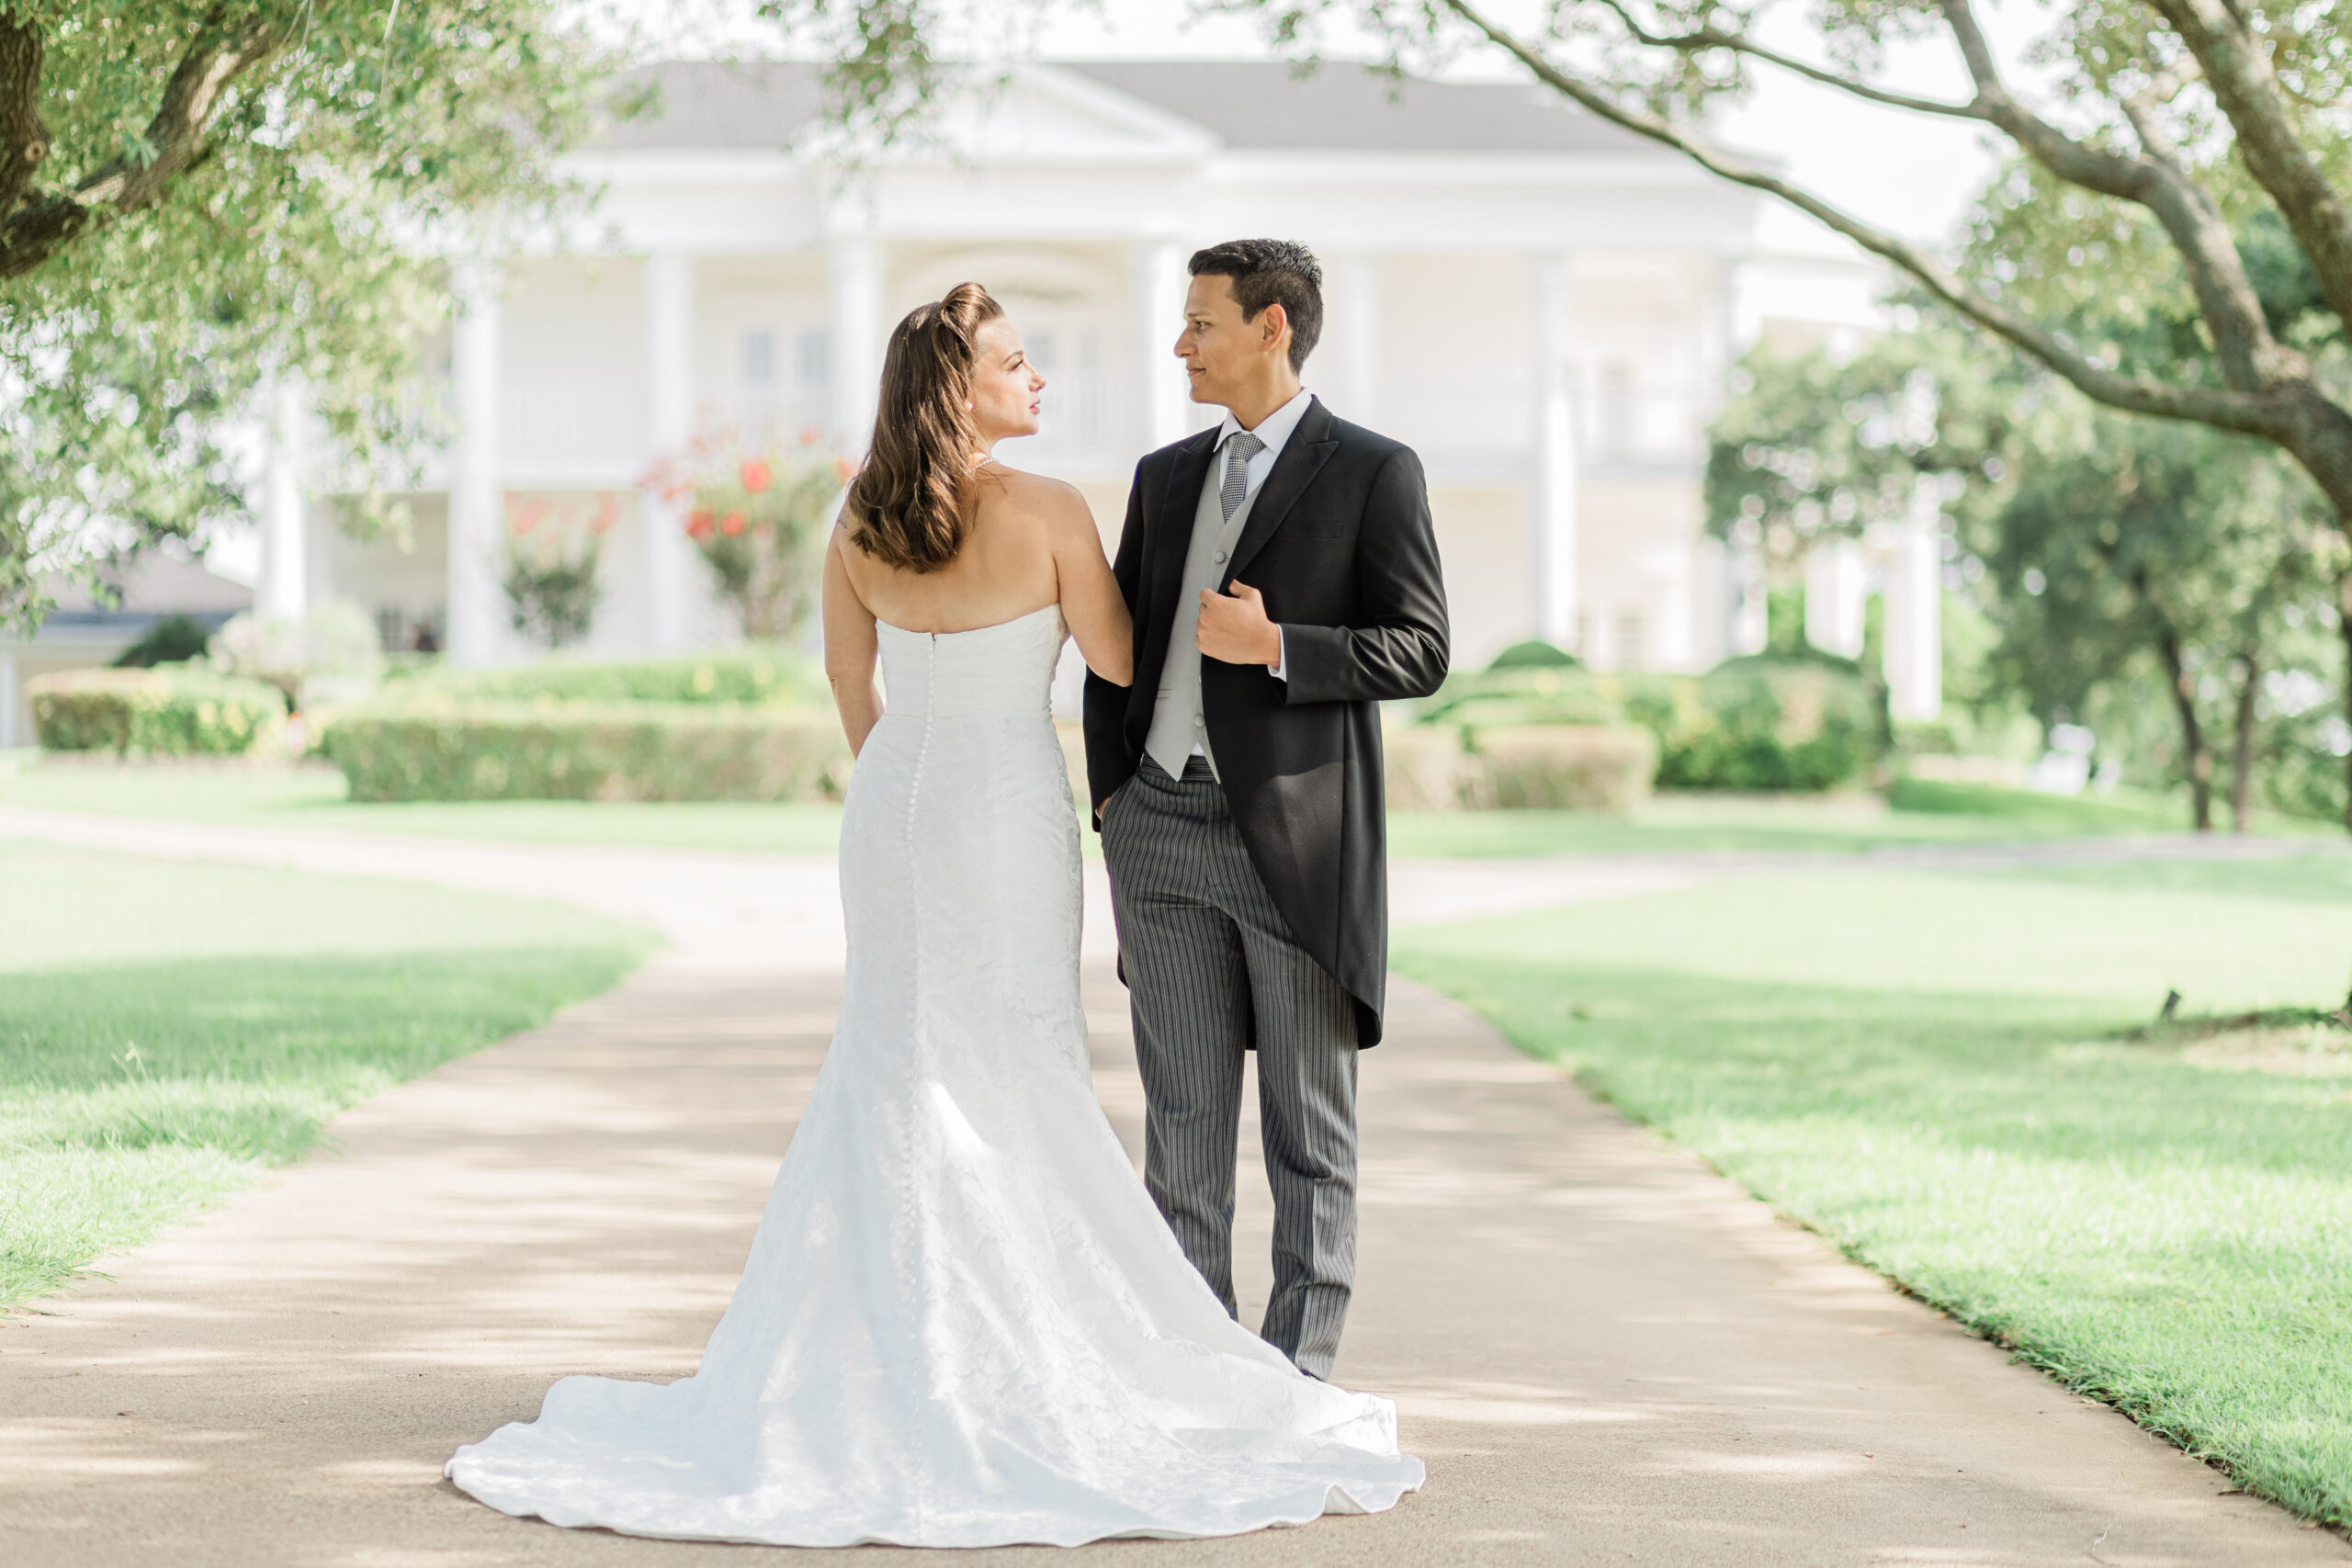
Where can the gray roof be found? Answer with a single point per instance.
(1345, 108)
(711, 103)
(1257, 104)
(153, 583)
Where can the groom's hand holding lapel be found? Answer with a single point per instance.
(1234, 628)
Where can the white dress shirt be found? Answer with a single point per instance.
(1274, 430)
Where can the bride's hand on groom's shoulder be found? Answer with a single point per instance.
(1234, 628)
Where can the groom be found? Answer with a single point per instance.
(1284, 581)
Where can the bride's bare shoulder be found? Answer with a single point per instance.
(1055, 502)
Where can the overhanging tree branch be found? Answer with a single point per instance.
(2236, 68)
(224, 48)
(2227, 407)
(1707, 39)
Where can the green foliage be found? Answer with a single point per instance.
(1754, 724)
(747, 673)
(276, 240)
(173, 639)
(488, 749)
(2148, 577)
(551, 582)
(1764, 725)
(165, 711)
(1535, 654)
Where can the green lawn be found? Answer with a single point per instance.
(1941, 1072)
(167, 1029)
(1853, 824)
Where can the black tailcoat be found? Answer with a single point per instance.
(1340, 542)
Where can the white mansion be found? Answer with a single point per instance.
(1544, 307)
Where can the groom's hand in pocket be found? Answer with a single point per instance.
(1234, 628)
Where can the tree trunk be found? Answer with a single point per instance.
(2343, 630)
(2196, 754)
(2242, 748)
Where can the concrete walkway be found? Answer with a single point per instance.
(1606, 1354)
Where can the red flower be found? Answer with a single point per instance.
(810, 435)
(698, 525)
(608, 512)
(731, 525)
(755, 476)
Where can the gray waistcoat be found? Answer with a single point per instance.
(1176, 723)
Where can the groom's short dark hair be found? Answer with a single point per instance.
(1271, 272)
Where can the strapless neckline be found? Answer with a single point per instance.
(1054, 608)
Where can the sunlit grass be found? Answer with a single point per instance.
(314, 798)
(168, 1029)
(1938, 1072)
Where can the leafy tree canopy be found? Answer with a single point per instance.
(198, 196)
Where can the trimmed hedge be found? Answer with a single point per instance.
(1558, 767)
(1561, 767)
(166, 711)
(751, 674)
(520, 750)
(1749, 723)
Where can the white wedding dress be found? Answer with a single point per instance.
(963, 1323)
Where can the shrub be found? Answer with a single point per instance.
(751, 674)
(551, 574)
(1755, 723)
(335, 644)
(174, 639)
(1535, 654)
(1423, 765)
(1561, 767)
(424, 750)
(1750, 724)
(166, 711)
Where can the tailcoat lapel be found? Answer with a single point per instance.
(1302, 456)
(1172, 533)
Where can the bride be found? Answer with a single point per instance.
(963, 1323)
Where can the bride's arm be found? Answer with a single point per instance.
(1091, 603)
(851, 646)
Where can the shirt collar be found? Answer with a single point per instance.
(1274, 429)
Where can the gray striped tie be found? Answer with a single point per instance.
(1239, 448)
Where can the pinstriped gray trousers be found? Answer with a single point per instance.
(1211, 967)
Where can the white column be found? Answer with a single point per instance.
(8, 698)
(1552, 484)
(1354, 322)
(1836, 591)
(477, 605)
(1915, 610)
(285, 521)
(670, 326)
(854, 269)
(1163, 400)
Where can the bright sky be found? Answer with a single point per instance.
(1906, 171)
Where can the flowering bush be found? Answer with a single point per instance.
(551, 563)
(757, 520)
(335, 645)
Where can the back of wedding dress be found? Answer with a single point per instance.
(962, 1322)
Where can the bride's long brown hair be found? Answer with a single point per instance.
(906, 505)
